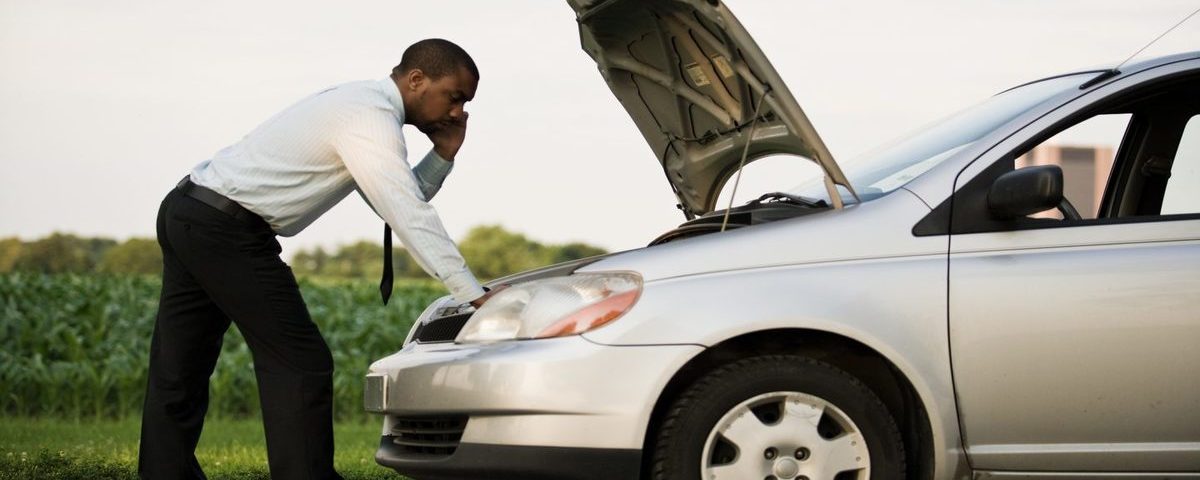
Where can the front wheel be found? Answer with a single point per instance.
(778, 417)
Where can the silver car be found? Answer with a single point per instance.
(975, 300)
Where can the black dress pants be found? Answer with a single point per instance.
(219, 268)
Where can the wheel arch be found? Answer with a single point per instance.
(868, 365)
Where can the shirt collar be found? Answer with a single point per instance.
(393, 95)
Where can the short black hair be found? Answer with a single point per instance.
(436, 58)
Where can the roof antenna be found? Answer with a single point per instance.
(1156, 39)
(1117, 69)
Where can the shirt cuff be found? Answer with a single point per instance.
(463, 286)
(437, 165)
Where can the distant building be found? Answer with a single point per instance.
(1085, 172)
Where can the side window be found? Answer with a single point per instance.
(1085, 154)
(1134, 158)
(1183, 187)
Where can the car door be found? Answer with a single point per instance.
(1075, 343)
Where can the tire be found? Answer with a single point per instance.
(779, 417)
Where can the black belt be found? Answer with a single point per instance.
(215, 200)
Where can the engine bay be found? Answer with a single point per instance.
(765, 209)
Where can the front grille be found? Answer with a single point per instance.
(428, 436)
(443, 329)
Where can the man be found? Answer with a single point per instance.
(221, 260)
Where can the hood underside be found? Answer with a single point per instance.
(691, 78)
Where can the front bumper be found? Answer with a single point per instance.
(501, 462)
(555, 408)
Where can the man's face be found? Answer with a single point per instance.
(439, 103)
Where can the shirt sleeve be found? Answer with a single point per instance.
(371, 146)
(431, 173)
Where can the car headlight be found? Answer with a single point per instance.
(553, 307)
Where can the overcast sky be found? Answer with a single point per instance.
(104, 106)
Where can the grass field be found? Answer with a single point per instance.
(107, 449)
(73, 348)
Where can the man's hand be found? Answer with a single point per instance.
(448, 139)
(478, 302)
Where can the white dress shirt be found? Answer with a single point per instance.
(304, 160)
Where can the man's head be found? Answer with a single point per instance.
(436, 78)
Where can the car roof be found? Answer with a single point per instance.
(1142, 64)
(1128, 67)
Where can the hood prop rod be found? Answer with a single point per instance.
(745, 153)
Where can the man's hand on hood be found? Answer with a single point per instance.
(478, 302)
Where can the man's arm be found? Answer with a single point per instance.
(370, 146)
(431, 173)
(432, 170)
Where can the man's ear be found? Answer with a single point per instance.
(414, 79)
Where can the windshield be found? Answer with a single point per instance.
(890, 167)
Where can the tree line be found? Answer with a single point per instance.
(490, 250)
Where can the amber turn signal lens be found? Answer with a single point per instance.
(592, 316)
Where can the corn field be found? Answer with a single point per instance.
(76, 346)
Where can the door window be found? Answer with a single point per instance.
(1183, 188)
(1085, 154)
(1134, 160)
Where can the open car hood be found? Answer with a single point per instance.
(690, 76)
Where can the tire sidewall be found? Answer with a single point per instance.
(719, 392)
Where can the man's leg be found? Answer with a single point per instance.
(242, 272)
(183, 352)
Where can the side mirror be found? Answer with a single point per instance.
(1026, 191)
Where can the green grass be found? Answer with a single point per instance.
(73, 357)
(33, 448)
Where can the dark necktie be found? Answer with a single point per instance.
(385, 285)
